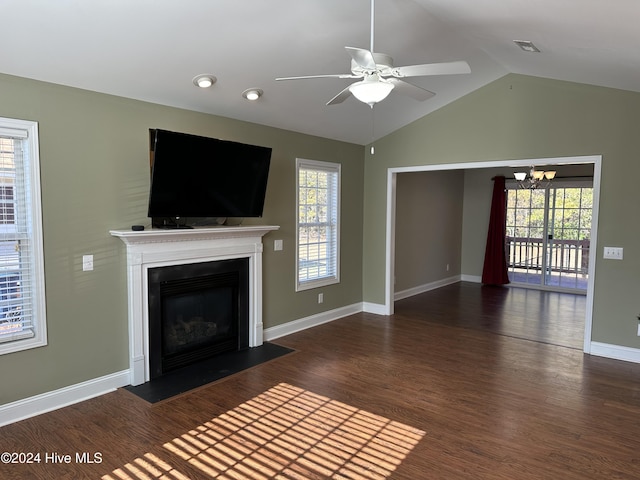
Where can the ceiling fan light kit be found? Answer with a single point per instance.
(371, 90)
(379, 77)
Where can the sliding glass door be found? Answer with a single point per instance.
(548, 235)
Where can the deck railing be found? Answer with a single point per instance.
(567, 256)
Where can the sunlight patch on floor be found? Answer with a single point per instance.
(284, 433)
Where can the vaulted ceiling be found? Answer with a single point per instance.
(152, 49)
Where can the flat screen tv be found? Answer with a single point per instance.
(194, 177)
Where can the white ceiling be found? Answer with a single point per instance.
(151, 50)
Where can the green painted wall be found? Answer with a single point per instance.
(428, 227)
(519, 117)
(94, 163)
(95, 178)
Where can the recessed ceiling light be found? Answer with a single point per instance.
(204, 80)
(527, 46)
(252, 94)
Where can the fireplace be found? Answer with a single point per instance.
(197, 311)
(148, 250)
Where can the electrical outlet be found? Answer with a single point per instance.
(320, 297)
(447, 267)
(639, 329)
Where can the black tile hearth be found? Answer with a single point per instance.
(206, 371)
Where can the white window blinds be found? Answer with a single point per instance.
(21, 274)
(318, 189)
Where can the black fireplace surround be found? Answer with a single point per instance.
(197, 311)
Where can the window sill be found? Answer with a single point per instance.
(323, 282)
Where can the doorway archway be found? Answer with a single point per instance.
(596, 160)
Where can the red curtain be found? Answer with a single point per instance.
(494, 271)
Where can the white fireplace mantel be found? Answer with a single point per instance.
(158, 248)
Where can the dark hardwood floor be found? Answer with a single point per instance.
(466, 382)
(547, 317)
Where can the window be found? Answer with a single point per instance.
(22, 312)
(318, 221)
(548, 234)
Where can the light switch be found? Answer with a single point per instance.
(277, 245)
(614, 253)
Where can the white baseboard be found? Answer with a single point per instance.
(616, 352)
(46, 402)
(314, 320)
(426, 287)
(376, 308)
(471, 278)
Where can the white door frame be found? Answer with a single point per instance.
(596, 160)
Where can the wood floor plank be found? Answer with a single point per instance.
(491, 382)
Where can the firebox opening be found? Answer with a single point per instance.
(197, 311)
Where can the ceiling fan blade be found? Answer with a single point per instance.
(410, 89)
(446, 68)
(336, 75)
(341, 97)
(362, 57)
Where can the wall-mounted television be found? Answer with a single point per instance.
(195, 177)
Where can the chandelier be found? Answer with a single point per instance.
(536, 178)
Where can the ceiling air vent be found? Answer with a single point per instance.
(527, 46)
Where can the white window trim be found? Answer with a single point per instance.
(331, 167)
(9, 126)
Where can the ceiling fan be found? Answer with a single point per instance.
(379, 77)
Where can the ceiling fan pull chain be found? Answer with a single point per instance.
(373, 130)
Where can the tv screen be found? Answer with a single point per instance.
(194, 176)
